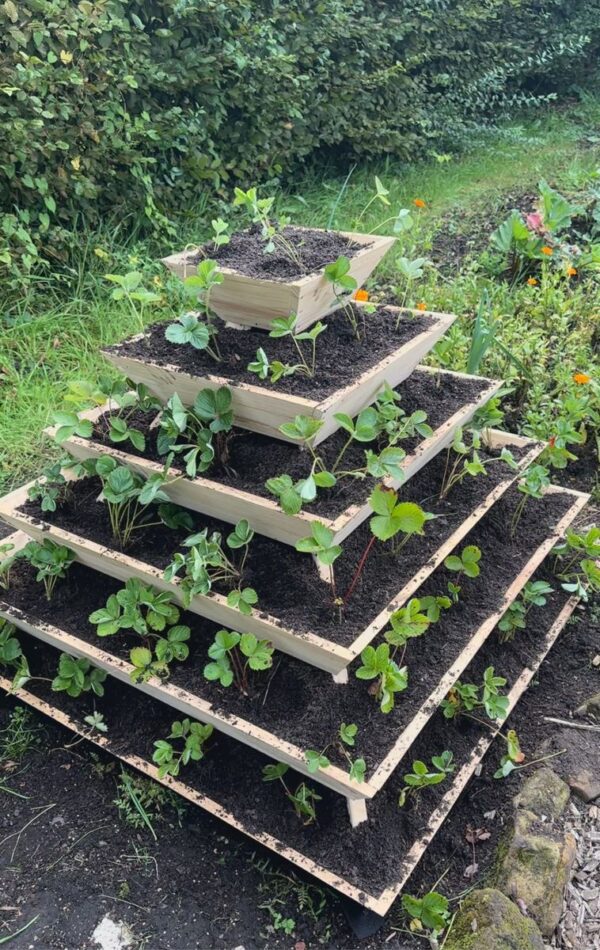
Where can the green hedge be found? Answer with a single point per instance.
(137, 107)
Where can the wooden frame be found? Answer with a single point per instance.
(226, 503)
(269, 743)
(381, 902)
(306, 646)
(263, 408)
(255, 302)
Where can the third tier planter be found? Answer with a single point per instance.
(255, 301)
(349, 374)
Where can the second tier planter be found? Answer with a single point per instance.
(264, 407)
(255, 302)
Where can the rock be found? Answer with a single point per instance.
(591, 707)
(585, 785)
(544, 793)
(536, 869)
(488, 920)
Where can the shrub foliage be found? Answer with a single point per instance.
(138, 106)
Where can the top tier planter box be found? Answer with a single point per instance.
(165, 369)
(255, 302)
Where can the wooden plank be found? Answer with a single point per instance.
(230, 504)
(262, 408)
(255, 302)
(379, 903)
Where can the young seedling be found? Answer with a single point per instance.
(576, 564)
(147, 613)
(50, 560)
(421, 777)
(534, 594)
(198, 328)
(430, 912)
(50, 489)
(286, 327)
(320, 545)
(533, 485)
(76, 676)
(304, 799)
(468, 461)
(343, 284)
(191, 737)
(258, 210)
(464, 698)
(233, 655)
(129, 496)
(346, 737)
(206, 564)
(388, 677)
(514, 756)
(465, 564)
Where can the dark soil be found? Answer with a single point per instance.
(341, 358)
(310, 252)
(287, 583)
(254, 458)
(293, 685)
(228, 765)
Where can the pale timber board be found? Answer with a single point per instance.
(263, 409)
(243, 730)
(378, 903)
(230, 504)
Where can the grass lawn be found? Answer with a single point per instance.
(50, 334)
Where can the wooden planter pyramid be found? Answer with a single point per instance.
(317, 657)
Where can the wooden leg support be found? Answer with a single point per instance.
(357, 809)
(341, 677)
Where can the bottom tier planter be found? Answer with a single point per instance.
(369, 864)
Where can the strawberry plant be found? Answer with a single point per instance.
(513, 757)
(468, 461)
(12, 656)
(199, 433)
(534, 594)
(423, 776)
(286, 327)
(465, 564)
(388, 677)
(76, 675)
(576, 564)
(430, 912)
(147, 613)
(6, 563)
(198, 328)
(50, 560)
(258, 211)
(346, 737)
(464, 698)
(233, 655)
(303, 799)
(205, 564)
(533, 485)
(343, 284)
(50, 489)
(190, 737)
(320, 545)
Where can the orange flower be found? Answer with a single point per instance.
(419, 203)
(571, 271)
(532, 281)
(547, 250)
(421, 306)
(582, 378)
(361, 295)
(552, 441)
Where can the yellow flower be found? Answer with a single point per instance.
(419, 203)
(361, 295)
(101, 254)
(157, 281)
(582, 378)
(532, 281)
(76, 163)
(547, 250)
(421, 306)
(66, 57)
(571, 271)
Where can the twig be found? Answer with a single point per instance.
(17, 834)
(74, 845)
(272, 677)
(572, 725)
(122, 900)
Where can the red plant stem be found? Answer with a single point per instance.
(359, 569)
